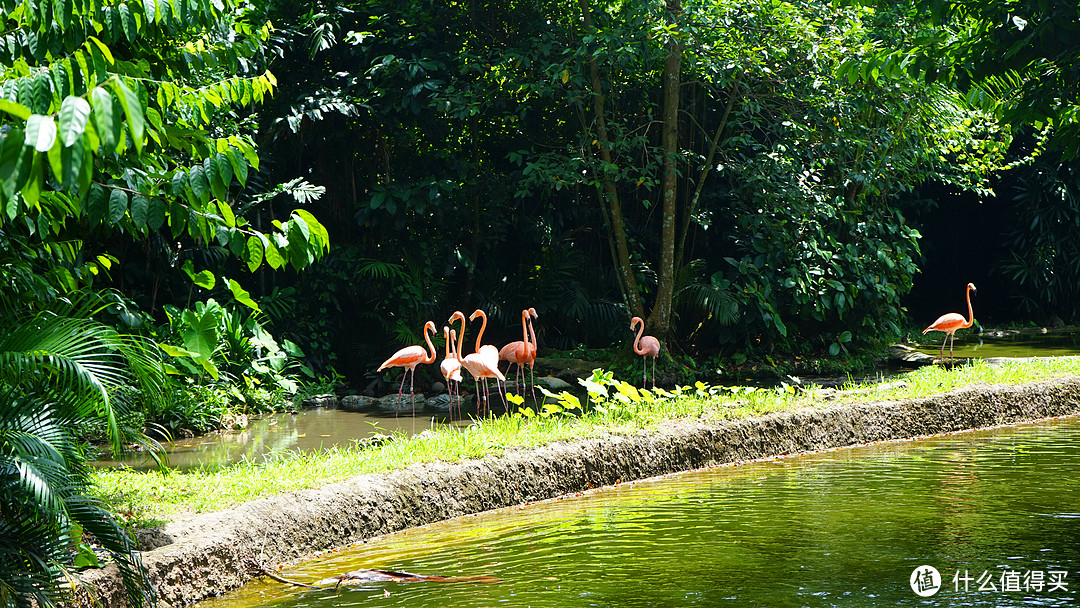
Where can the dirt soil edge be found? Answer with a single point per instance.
(209, 554)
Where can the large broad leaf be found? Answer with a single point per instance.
(203, 278)
(200, 331)
(118, 205)
(74, 113)
(40, 132)
(104, 121)
(15, 109)
(241, 295)
(133, 108)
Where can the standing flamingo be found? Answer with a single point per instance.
(409, 357)
(484, 363)
(522, 351)
(952, 321)
(451, 368)
(646, 346)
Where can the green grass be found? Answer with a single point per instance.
(145, 498)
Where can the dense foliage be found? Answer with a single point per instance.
(61, 375)
(125, 146)
(468, 163)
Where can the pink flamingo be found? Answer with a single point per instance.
(484, 363)
(646, 346)
(409, 357)
(522, 352)
(451, 368)
(952, 321)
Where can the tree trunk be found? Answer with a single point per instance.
(660, 319)
(608, 194)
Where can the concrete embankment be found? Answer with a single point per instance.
(209, 554)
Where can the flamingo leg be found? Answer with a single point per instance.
(506, 406)
(480, 403)
(487, 397)
(532, 384)
(400, 392)
(412, 392)
(654, 373)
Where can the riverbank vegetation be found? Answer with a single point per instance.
(147, 498)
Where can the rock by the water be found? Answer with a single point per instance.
(439, 403)
(391, 403)
(358, 403)
(554, 384)
(323, 400)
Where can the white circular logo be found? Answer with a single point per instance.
(925, 581)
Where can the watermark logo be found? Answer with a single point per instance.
(925, 581)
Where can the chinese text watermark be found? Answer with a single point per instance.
(926, 581)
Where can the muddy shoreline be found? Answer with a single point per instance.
(209, 554)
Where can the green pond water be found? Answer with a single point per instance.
(307, 431)
(846, 527)
(998, 343)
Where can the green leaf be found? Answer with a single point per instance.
(74, 113)
(316, 228)
(71, 161)
(104, 121)
(140, 207)
(239, 165)
(118, 205)
(155, 215)
(253, 253)
(199, 187)
(274, 257)
(16, 158)
(17, 110)
(97, 205)
(40, 132)
(104, 50)
(213, 175)
(241, 295)
(127, 22)
(177, 351)
(200, 334)
(204, 278)
(134, 111)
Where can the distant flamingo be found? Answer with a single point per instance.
(451, 368)
(649, 347)
(522, 352)
(952, 321)
(409, 357)
(484, 363)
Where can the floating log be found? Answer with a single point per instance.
(365, 576)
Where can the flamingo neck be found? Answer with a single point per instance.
(637, 339)
(429, 330)
(483, 326)
(532, 335)
(971, 313)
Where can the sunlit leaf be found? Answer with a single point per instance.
(40, 132)
(74, 113)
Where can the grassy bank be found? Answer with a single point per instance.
(614, 407)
